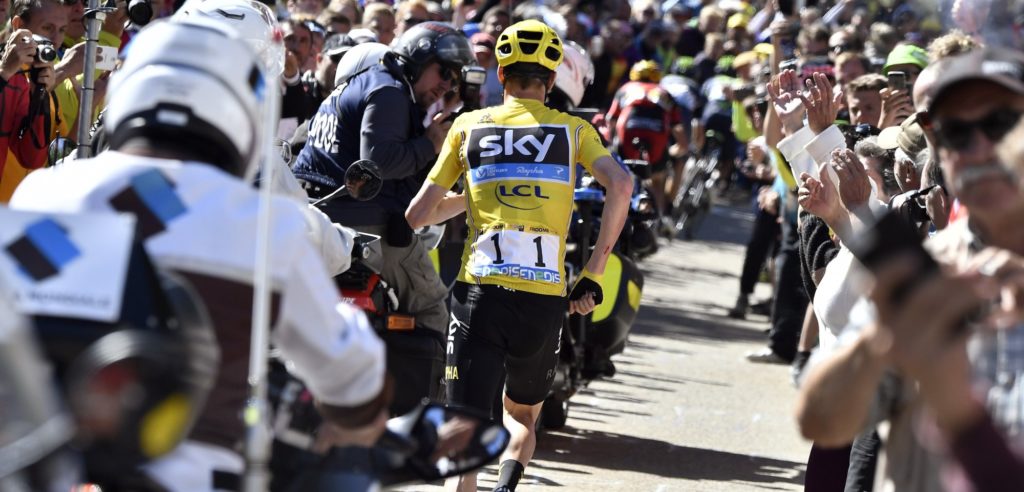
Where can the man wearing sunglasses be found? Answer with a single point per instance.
(380, 115)
(976, 99)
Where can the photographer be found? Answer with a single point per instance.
(44, 22)
(379, 116)
(16, 88)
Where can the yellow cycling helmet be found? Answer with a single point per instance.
(645, 71)
(529, 41)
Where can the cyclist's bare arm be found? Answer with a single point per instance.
(433, 205)
(618, 188)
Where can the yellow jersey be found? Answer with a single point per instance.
(519, 164)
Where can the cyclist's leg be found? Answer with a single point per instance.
(534, 339)
(659, 175)
(475, 357)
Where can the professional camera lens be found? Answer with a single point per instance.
(140, 12)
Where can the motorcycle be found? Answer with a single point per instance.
(414, 355)
(588, 342)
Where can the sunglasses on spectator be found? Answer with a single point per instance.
(957, 134)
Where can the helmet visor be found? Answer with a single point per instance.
(453, 51)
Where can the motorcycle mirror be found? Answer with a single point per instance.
(363, 180)
(453, 441)
(60, 148)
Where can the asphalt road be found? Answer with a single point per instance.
(685, 411)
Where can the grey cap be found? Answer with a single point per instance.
(997, 65)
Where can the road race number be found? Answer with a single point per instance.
(518, 254)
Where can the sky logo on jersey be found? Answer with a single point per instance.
(150, 196)
(535, 153)
(43, 250)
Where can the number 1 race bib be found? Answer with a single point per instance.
(516, 254)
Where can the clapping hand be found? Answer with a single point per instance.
(854, 184)
(784, 92)
(819, 198)
(821, 102)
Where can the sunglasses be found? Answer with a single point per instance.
(412, 21)
(957, 134)
(448, 74)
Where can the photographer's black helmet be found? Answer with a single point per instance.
(429, 42)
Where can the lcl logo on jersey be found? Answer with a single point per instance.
(536, 153)
(522, 197)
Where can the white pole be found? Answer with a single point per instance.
(258, 437)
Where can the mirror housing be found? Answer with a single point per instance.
(363, 180)
(453, 441)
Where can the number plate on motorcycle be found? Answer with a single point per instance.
(526, 254)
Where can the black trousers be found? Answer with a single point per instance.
(790, 303)
(762, 241)
(863, 460)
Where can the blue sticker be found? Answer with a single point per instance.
(158, 195)
(51, 240)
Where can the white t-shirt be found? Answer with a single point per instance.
(205, 222)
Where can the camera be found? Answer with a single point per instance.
(45, 52)
(473, 78)
(910, 206)
(140, 12)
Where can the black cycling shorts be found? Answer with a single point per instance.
(496, 332)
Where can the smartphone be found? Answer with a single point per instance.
(106, 58)
(890, 237)
(897, 80)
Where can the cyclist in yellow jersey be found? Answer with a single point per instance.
(507, 308)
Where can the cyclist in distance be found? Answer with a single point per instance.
(519, 161)
(644, 111)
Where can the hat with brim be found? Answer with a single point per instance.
(909, 137)
(999, 66)
(906, 54)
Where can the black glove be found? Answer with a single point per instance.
(587, 283)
